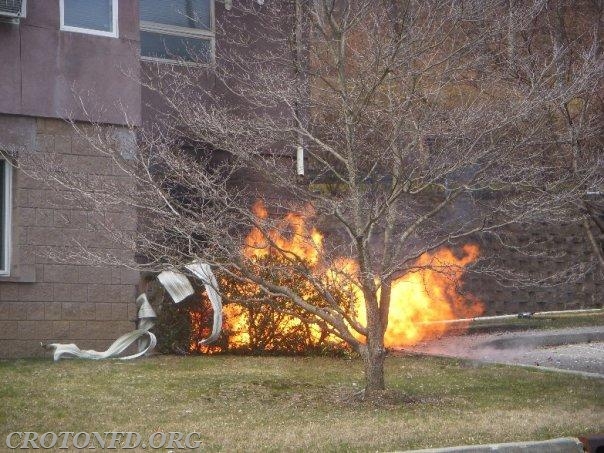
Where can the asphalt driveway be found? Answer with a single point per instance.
(577, 349)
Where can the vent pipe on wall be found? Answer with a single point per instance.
(300, 160)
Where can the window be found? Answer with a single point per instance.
(177, 30)
(95, 17)
(5, 216)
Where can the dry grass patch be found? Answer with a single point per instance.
(278, 403)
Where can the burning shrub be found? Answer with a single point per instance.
(290, 256)
(173, 327)
(248, 326)
(256, 324)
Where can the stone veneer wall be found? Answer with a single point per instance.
(568, 246)
(42, 301)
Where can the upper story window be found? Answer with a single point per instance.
(95, 17)
(177, 31)
(5, 216)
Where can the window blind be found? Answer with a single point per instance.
(180, 13)
(89, 14)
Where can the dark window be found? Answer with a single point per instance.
(170, 47)
(92, 16)
(177, 30)
(179, 13)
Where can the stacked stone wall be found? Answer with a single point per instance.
(568, 271)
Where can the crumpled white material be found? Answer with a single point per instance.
(114, 350)
(179, 287)
(203, 272)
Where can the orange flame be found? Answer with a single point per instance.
(289, 239)
(427, 293)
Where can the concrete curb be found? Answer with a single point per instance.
(585, 374)
(560, 445)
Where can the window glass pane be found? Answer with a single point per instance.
(170, 47)
(2, 213)
(90, 14)
(182, 13)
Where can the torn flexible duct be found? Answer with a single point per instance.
(179, 287)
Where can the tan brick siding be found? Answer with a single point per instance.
(43, 301)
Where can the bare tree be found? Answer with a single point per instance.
(412, 136)
(556, 46)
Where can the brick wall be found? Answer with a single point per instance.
(43, 301)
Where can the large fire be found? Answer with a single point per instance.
(426, 294)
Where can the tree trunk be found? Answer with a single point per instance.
(373, 361)
(373, 352)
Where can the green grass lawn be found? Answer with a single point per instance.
(284, 403)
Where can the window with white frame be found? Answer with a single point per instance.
(177, 31)
(95, 17)
(5, 216)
